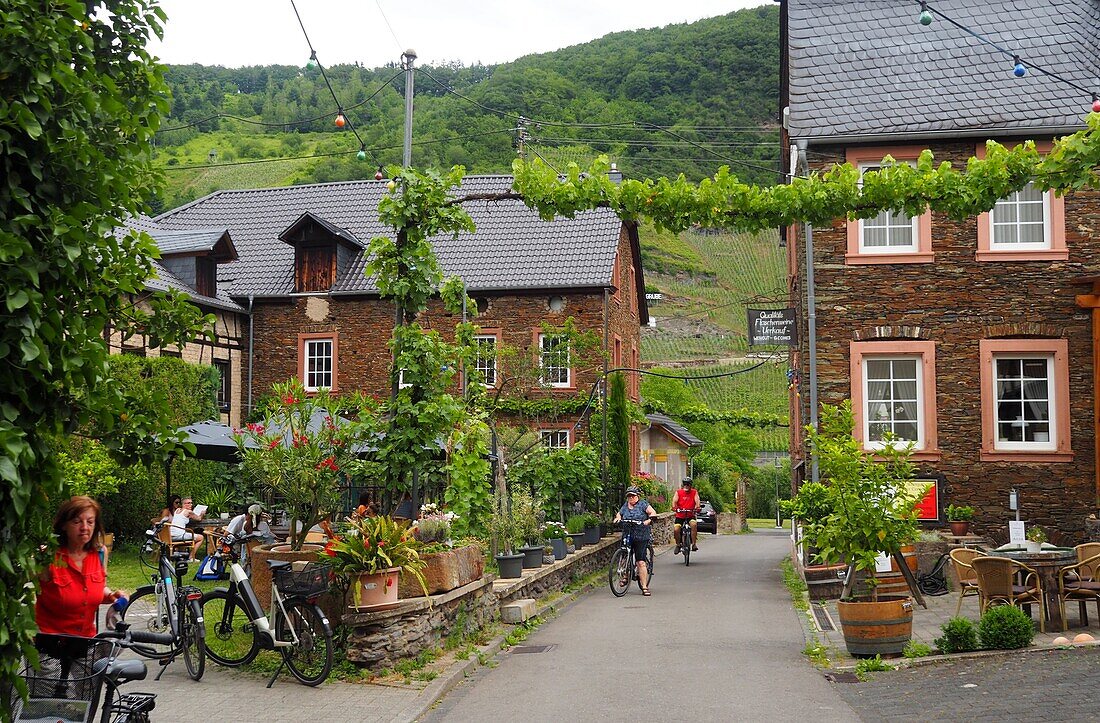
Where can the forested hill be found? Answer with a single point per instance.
(713, 85)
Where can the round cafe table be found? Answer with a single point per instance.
(1047, 564)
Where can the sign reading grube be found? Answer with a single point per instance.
(772, 327)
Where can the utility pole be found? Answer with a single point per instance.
(521, 137)
(811, 312)
(409, 60)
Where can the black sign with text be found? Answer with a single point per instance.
(772, 327)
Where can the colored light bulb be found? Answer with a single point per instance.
(361, 155)
(1019, 70)
(925, 17)
(378, 176)
(340, 120)
(1096, 105)
(312, 62)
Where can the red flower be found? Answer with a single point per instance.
(273, 444)
(381, 543)
(290, 399)
(330, 550)
(256, 428)
(389, 581)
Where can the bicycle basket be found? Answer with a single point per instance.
(67, 686)
(311, 581)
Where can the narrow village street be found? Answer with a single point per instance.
(718, 640)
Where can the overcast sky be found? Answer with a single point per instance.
(236, 33)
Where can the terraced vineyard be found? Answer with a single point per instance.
(706, 282)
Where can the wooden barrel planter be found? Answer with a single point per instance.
(876, 628)
(892, 582)
(825, 582)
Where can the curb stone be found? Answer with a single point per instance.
(460, 670)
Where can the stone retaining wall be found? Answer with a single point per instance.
(550, 579)
(381, 639)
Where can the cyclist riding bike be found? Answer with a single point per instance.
(638, 510)
(686, 504)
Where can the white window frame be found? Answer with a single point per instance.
(311, 354)
(660, 469)
(486, 367)
(1014, 199)
(544, 367)
(914, 244)
(552, 439)
(1052, 406)
(920, 441)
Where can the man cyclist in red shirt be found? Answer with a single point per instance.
(687, 498)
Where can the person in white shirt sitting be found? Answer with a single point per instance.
(182, 516)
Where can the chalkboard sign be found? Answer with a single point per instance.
(772, 327)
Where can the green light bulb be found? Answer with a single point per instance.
(925, 17)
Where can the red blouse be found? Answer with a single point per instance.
(70, 599)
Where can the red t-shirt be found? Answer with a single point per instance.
(70, 599)
(685, 500)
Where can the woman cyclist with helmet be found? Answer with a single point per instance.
(638, 510)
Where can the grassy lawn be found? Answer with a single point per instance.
(125, 571)
(768, 522)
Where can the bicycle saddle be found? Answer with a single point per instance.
(127, 670)
(278, 564)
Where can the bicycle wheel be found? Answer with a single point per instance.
(191, 639)
(230, 636)
(142, 614)
(686, 549)
(618, 573)
(310, 659)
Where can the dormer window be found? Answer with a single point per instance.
(322, 252)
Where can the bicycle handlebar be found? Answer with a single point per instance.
(127, 637)
(634, 522)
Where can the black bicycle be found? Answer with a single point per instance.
(624, 567)
(686, 538)
(169, 607)
(78, 676)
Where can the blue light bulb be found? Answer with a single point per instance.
(925, 17)
(1019, 70)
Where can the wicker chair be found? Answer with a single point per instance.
(1081, 582)
(998, 583)
(964, 573)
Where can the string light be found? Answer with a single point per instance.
(341, 121)
(925, 15)
(362, 154)
(312, 62)
(378, 175)
(1018, 67)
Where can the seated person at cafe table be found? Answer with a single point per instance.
(179, 530)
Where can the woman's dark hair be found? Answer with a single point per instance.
(71, 509)
(173, 501)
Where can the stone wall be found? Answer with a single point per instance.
(955, 301)
(380, 639)
(551, 579)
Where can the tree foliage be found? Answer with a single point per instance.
(618, 435)
(79, 103)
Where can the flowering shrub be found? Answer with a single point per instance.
(372, 545)
(554, 530)
(301, 453)
(654, 491)
(434, 526)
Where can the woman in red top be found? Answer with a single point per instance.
(75, 585)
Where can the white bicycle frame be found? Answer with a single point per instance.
(240, 579)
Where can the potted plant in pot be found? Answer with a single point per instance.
(959, 518)
(1036, 536)
(370, 555)
(811, 506)
(591, 528)
(221, 500)
(502, 529)
(527, 514)
(570, 545)
(575, 526)
(873, 512)
(555, 533)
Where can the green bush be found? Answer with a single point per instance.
(576, 523)
(708, 492)
(1005, 627)
(958, 635)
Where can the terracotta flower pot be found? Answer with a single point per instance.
(959, 528)
(373, 590)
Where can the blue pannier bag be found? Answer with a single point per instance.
(211, 568)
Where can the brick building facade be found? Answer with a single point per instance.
(972, 339)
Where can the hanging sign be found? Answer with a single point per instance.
(772, 327)
(928, 504)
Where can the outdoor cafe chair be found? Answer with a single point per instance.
(961, 558)
(1081, 582)
(164, 534)
(998, 584)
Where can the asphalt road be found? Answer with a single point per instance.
(717, 641)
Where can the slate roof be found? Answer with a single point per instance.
(868, 68)
(191, 241)
(677, 430)
(342, 233)
(512, 248)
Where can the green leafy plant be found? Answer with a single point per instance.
(1005, 627)
(957, 635)
(959, 513)
(374, 544)
(1036, 533)
(872, 665)
(576, 524)
(872, 509)
(502, 525)
(434, 527)
(913, 649)
(554, 531)
(220, 499)
(528, 515)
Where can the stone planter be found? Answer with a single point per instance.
(578, 539)
(375, 590)
(510, 565)
(548, 558)
(446, 571)
(558, 544)
(570, 548)
(591, 535)
(532, 556)
(261, 573)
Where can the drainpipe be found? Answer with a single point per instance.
(250, 353)
(811, 314)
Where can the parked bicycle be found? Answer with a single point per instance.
(167, 606)
(687, 539)
(79, 676)
(624, 567)
(237, 627)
